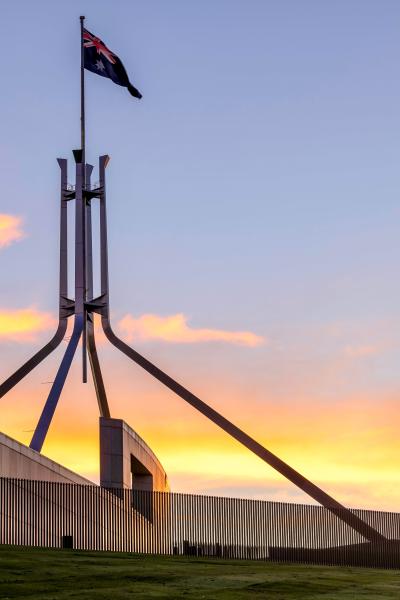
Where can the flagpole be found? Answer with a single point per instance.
(83, 141)
(83, 148)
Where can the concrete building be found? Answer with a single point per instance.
(126, 461)
(21, 462)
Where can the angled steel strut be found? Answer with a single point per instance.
(279, 465)
(66, 306)
(83, 308)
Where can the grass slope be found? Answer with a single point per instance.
(59, 574)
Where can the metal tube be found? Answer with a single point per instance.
(271, 459)
(83, 132)
(55, 341)
(279, 465)
(89, 317)
(80, 250)
(83, 185)
(51, 403)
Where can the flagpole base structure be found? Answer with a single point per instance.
(83, 325)
(85, 306)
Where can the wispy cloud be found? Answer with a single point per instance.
(10, 229)
(24, 324)
(361, 351)
(175, 329)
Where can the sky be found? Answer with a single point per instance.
(253, 212)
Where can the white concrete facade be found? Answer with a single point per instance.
(126, 461)
(21, 462)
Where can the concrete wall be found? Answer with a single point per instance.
(20, 461)
(36, 508)
(126, 461)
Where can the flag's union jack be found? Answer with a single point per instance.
(90, 41)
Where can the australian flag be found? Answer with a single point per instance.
(99, 59)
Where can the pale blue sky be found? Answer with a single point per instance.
(254, 187)
(266, 145)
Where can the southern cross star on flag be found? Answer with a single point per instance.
(99, 59)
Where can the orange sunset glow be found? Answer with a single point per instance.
(252, 226)
(327, 444)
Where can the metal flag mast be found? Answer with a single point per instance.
(83, 140)
(85, 305)
(83, 148)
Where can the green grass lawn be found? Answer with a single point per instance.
(40, 574)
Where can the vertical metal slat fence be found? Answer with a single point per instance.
(40, 513)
